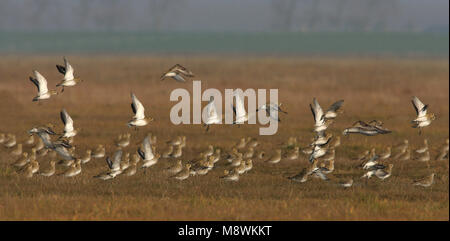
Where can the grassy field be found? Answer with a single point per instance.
(373, 88)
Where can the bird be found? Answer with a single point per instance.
(69, 79)
(139, 118)
(59, 146)
(28, 171)
(132, 168)
(424, 157)
(443, 151)
(212, 116)
(385, 155)
(347, 183)
(241, 144)
(29, 141)
(125, 162)
(363, 156)
(327, 169)
(87, 157)
(426, 181)
(123, 140)
(249, 153)
(334, 109)
(39, 144)
(294, 154)
(11, 141)
(2, 138)
(303, 175)
(329, 155)
(175, 168)
(369, 129)
(380, 173)
(317, 152)
(239, 110)
(99, 152)
(177, 72)
(405, 156)
(113, 165)
(248, 165)
(168, 152)
(183, 174)
(230, 176)
(22, 161)
(321, 138)
(41, 84)
(146, 153)
(424, 148)
(69, 131)
(423, 118)
(49, 172)
(178, 152)
(73, 170)
(272, 109)
(275, 158)
(17, 151)
(321, 124)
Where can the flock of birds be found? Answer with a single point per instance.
(239, 160)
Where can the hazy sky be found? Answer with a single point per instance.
(225, 15)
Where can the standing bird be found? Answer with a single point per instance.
(69, 131)
(423, 118)
(41, 84)
(183, 174)
(99, 152)
(139, 118)
(177, 72)
(67, 71)
(212, 116)
(425, 182)
(275, 158)
(424, 148)
(443, 152)
(49, 172)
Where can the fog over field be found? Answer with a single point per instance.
(228, 16)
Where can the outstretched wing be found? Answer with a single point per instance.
(336, 106)
(35, 82)
(61, 69)
(240, 109)
(420, 108)
(317, 112)
(148, 152)
(116, 160)
(182, 70)
(138, 108)
(179, 78)
(67, 120)
(42, 82)
(69, 70)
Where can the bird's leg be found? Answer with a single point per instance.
(62, 90)
(207, 128)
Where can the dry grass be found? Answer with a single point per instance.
(372, 88)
